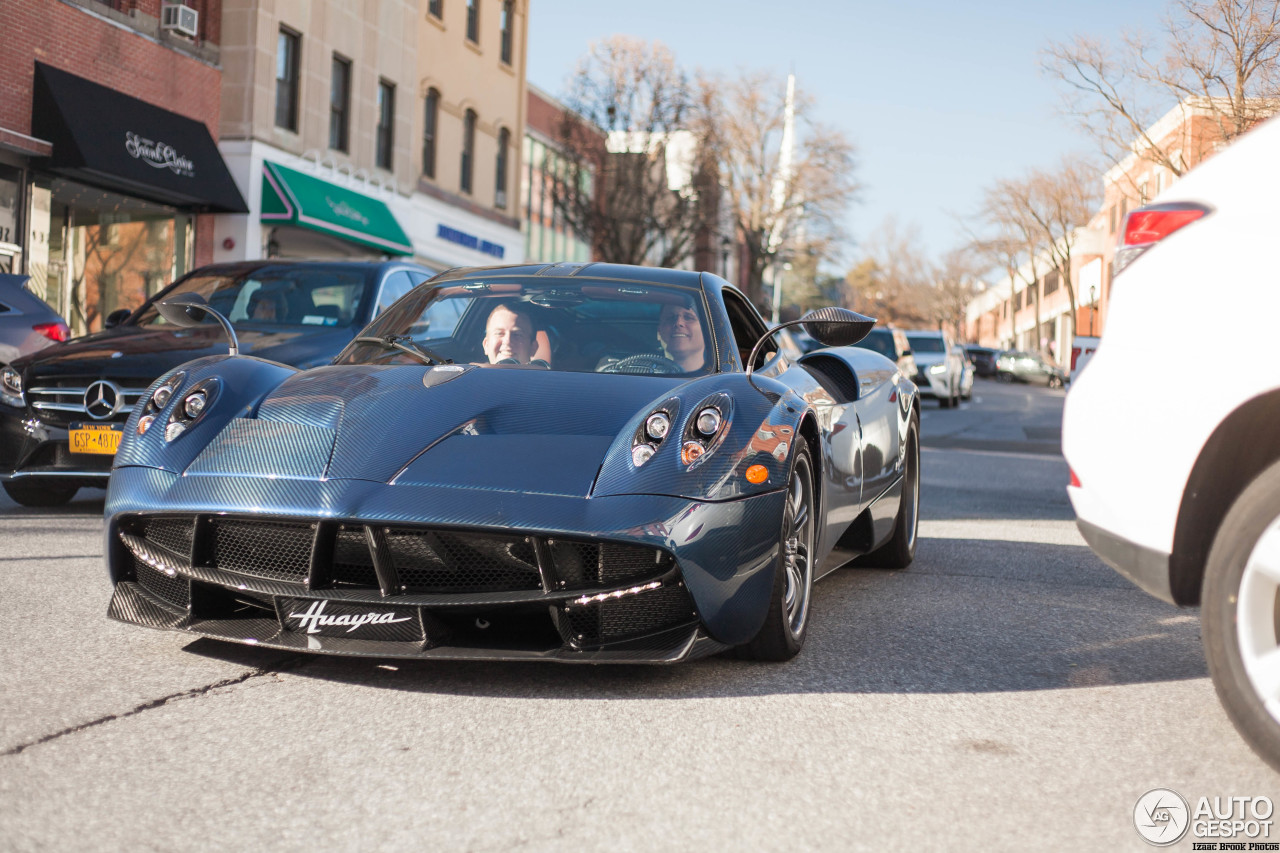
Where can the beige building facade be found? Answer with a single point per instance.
(367, 128)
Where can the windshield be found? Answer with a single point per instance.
(588, 326)
(881, 341)
(925, 343)
(311, 297)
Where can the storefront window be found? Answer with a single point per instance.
(108, 252)
(10, 196)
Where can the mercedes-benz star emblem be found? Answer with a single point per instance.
(102, 399)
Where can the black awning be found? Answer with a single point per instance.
(104, 137)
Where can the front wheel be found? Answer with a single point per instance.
(39, 495)
(784, 629)
(1240, 604)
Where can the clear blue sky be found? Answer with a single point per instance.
(941, 97)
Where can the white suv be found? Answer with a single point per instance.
(938, 369)
(1180, 490)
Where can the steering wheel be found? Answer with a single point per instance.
(644, 363)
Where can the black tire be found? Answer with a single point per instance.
(1227, 595)
(900, 550)
(782, 635)
(40, 495)
(944, 402)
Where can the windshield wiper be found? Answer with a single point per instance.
(405, 344)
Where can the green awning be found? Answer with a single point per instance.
(296, 198)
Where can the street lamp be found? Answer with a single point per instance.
(725, 245)
(1093, 307)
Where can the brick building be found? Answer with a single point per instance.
(109, 169)
(547, 237)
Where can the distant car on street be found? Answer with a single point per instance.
(984, 360)
(1180, 492)
(892, 344)
(938, 370)
(27, 324)
(62, 410)
(966, 372)
(1030, 368)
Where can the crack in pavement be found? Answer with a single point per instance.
(283, 665)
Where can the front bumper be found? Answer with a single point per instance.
(32, 450)
(412, 564)
(932, 386)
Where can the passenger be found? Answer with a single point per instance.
(680, 332)
(511, 336)
(265, 308)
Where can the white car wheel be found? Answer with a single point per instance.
(1240, 614)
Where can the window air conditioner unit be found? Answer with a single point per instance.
(180, 19)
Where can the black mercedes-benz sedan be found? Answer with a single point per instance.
(62, 409)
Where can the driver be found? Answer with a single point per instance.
(511, 336)
(680, 333)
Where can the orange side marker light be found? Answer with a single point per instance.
(757, 474)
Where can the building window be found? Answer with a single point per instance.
(339, 102)
(500, 170)
(386, 122)
(1113, 220)
(507, 24)
(435, 8)
(473, 20)
(1051, 282)
(429, 125)
(288, 46)
(468, 149)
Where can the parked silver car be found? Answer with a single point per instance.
(26, 323)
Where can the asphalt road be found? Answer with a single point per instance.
(1007, 692)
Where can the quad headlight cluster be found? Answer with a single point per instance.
(10, 387)
(703, 432)
(706, 429)
(190, 406)
(652, 431)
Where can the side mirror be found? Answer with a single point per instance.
(184, 309)
(831, 327)
(187, 310)
(837, 327)
(116, 317)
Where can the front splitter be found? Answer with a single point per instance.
(135, 606)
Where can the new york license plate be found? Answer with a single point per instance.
(96, 438)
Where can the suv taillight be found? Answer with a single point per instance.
(1146, 226)
(53, 331)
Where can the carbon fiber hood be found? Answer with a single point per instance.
(505, 429)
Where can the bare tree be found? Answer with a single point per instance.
(1217, 56)
(626, 179)
(778, 209)
(1018, 242)
(893, 282)
(1035, 219)
(954, 285)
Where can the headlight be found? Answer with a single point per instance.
(938, 369)
(161, 397)
(145, 422)
(642, 453)
(705, 431)
(11, 387)
(194, 404)
(709, 420)
(657, 425)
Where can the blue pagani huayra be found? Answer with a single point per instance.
(576, 462)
